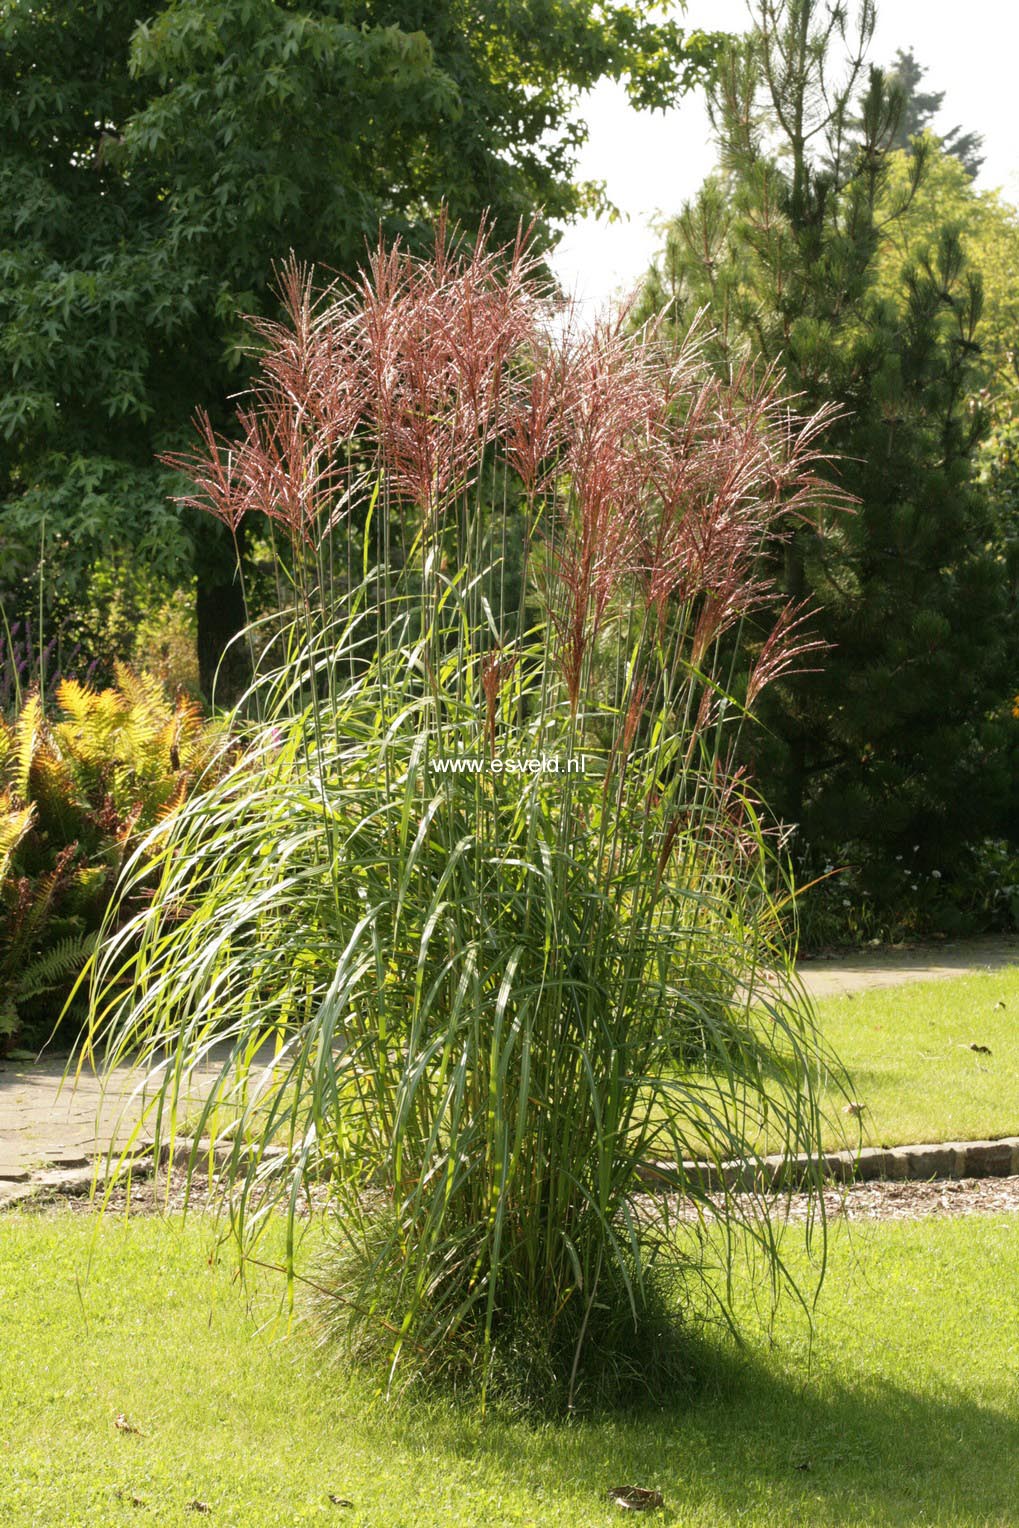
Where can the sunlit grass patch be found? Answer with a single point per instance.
(903, 1409)
(910, 1052)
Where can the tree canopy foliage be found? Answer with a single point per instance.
(156, 161)
(988, 231)
(820, 248)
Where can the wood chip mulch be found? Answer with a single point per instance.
(145, 1195)
(893, 1201)
(917, 1201)
(861, 1201)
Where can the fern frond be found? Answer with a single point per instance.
(77, 700)
(45, 893)
(53, 789)
(63, 960)
(27, 730)
(15, 822)
(176, 798)
(141, 691)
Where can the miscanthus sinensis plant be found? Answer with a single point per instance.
(473, 996)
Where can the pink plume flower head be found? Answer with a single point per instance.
(496, 668)
(212, 469)
(533, 431)
(734, 473)
(652, 483)
(437, 337)
(612, 409)
(784, 648)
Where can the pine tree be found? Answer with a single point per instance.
(920, 107)
(889, 756)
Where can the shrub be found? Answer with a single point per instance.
(168, 636)
(491, 992)
(64, 618)
(76, 787)
(979, 896)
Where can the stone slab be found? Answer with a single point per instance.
(919, 1163)
(15, 1193)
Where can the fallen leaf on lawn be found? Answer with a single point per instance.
(121, 1423)
(136, 1501)
(197, 1506)
(981, 1050)
(635, 1498)
(340, 1501)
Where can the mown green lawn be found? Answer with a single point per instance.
(908, 1052)
(904, 1411)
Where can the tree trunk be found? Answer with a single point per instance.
(224, 667)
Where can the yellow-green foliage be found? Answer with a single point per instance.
(75, 787)
(988, 228)
(15, 822)
(132, 743)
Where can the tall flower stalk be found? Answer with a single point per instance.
(470, 994)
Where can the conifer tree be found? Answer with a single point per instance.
(919, 109)
(889, 756)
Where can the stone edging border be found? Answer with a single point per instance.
(75, 1175)
(896, 1164)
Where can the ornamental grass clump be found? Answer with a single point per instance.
(482, 921)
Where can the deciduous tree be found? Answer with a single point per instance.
(156, 160)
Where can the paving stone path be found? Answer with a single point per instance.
(889, 966)
(53, 1128)
(47, 1120)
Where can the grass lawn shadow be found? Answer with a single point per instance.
(904, 1409)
